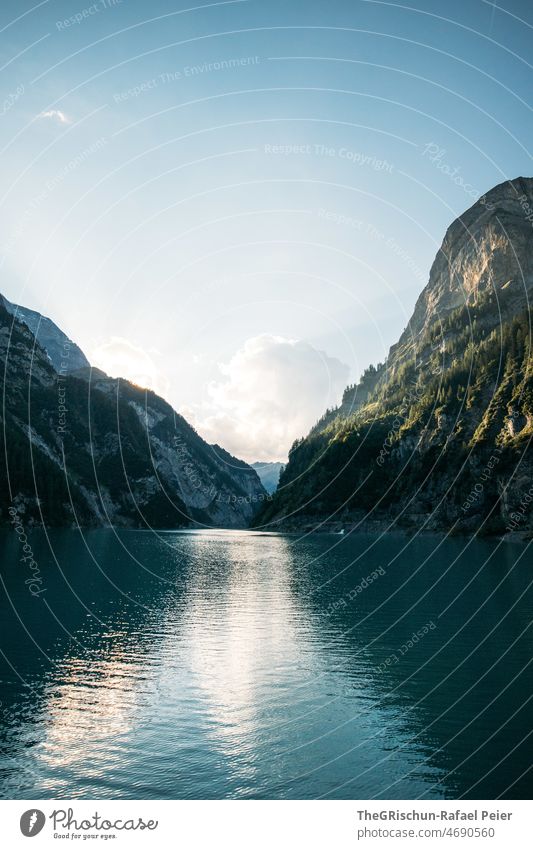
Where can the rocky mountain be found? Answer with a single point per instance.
(91, 450)
(64, 354)
(439, 436)
(268, 474)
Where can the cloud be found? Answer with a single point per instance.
(270, 393)
(119, 357)
(56, 115)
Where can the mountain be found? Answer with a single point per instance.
(63, 353)
(88, 449)
(268, 474)
(439, 436)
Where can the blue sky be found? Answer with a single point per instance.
(238, 203)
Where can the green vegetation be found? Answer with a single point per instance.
(431, 420)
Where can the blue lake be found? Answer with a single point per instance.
(229, 664)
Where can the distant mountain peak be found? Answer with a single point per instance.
(268, 473)
(489, 247)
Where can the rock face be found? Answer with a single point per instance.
(90, 450)
(268, 474)
(486, 251)
(439, 436)
(64, 354)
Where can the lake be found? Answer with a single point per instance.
(235, 664)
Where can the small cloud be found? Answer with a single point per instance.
(56, 115)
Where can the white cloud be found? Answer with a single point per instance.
(119, 357)
(270, 393)
(56, 115)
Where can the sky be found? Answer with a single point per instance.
(238, 203)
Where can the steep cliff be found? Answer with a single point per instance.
(268, 474)
(92, 450)
(438, 437)
(64, 355)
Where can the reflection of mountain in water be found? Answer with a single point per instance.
(459, 697)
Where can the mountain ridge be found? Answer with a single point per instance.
(81, 448)
(64, 354)
(410, 441)
(269, 473)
